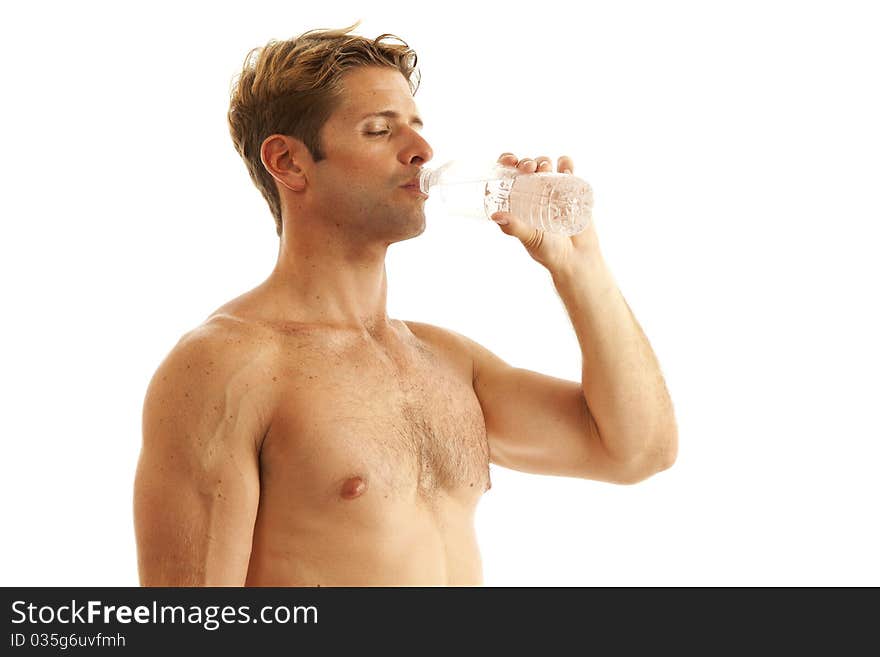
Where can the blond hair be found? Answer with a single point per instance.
(291, 87)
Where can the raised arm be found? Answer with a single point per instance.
(621, 407)
(197, 484)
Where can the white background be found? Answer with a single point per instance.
(733, 151)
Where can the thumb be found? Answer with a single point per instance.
(512, 225)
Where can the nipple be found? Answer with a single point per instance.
(353, 487)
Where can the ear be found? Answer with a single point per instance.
(285, 158)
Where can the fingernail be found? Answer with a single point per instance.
(566, 171)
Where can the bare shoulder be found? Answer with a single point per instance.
(222, 343)
(436, 336)
(482, 362)
(446, 338)
(197, 486)
(218, 364)
(448, 343)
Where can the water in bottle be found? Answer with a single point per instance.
(554, 202)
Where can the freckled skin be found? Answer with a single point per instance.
(352, 467)
(353, 487)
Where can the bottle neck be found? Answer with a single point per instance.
(457, 172)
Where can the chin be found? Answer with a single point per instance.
(409, 227)
(419, 228)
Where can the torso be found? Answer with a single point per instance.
(374, 459)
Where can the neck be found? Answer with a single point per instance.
(327, 278)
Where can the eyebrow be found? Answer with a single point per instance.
(391, 114)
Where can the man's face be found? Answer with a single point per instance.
(373, 148)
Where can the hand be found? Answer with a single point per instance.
(555, 252)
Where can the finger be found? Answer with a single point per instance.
(544, 163)
(527, 165)
(508, 159)
(531, 237)
(565, 164)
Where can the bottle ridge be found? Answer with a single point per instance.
(554, 202)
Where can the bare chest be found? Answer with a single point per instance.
(404, 421)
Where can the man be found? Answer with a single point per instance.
(300, 436)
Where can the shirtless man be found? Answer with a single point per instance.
(300, 436)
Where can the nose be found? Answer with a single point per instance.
(417, 150)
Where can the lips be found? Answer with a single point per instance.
(414, 186)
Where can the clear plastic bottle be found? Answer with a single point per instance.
(554, 202)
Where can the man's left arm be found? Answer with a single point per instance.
(627, 421)
(620, 376)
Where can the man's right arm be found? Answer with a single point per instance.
(197, 485)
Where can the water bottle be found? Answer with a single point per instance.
(554, 202)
